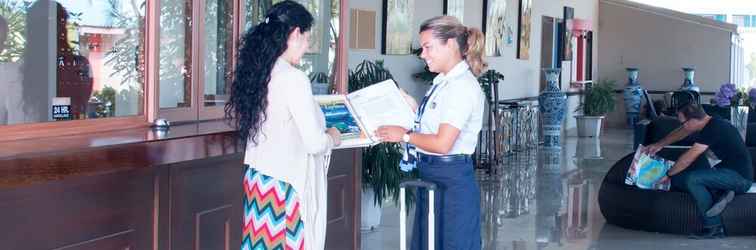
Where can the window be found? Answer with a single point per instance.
(85, 62)
(721, 18)
(718, 17)
(75, 66)
(320, 60)
(195, 58)
(740, 20)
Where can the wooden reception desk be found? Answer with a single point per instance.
(138, 189)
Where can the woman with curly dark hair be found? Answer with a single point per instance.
(288, 146)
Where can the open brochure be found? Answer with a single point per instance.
(647, 171)
(358, 114)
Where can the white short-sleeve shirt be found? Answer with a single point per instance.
(457, 101)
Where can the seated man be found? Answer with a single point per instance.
(733, 175)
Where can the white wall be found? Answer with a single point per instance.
(522, 76)
(737, 7)
(660, 42)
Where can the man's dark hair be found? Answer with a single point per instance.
(692, 111)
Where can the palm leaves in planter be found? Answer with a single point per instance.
(599, 98)
(380, 163)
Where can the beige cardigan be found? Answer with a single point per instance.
(293, 147)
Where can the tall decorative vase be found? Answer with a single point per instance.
(739, 119)
(551, 103)
(632, 96)
(688, 83)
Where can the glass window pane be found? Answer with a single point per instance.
(255, 11)
(739, 20)
(175, 54)
(318, 63)
(218, 35)
(721, 18)
(67, 59)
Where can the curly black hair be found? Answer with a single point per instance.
(260, 48)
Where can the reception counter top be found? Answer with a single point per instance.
(145, 189)
(34, 161)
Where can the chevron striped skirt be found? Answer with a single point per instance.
(271, 214)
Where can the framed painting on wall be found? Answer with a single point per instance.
(524, 28)
(455, 8)
(497, 28)
(398, 27)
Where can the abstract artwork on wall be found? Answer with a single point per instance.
(455, 8)
(497, 28)
(398, 27)
(523, 29)
(566, 52)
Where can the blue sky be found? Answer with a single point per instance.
(94, 12)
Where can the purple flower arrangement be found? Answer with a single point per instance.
(730, 95)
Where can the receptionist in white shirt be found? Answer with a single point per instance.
(445, 134)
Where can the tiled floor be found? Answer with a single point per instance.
(548, 200)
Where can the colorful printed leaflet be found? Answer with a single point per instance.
(337, 115)
(647, 171)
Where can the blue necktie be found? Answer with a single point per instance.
(409, 159)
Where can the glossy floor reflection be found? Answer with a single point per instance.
(547, 199)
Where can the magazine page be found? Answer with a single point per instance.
(381, 104)
(647, 171)
(339, 115)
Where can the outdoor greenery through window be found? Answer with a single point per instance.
(218, 38)
(175, 53)
(71, 59)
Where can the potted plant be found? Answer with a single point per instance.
(380, 163)
(598, 101)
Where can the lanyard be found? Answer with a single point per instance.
(421, 108)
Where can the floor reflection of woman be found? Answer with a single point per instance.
(288, 145)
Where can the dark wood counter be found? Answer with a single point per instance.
(140, 189)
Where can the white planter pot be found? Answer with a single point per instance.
(371, 213)
(589, 126)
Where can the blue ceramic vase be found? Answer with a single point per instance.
(552, 104)
(632, 95)
(688, 83)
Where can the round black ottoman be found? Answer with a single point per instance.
(665, 212)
